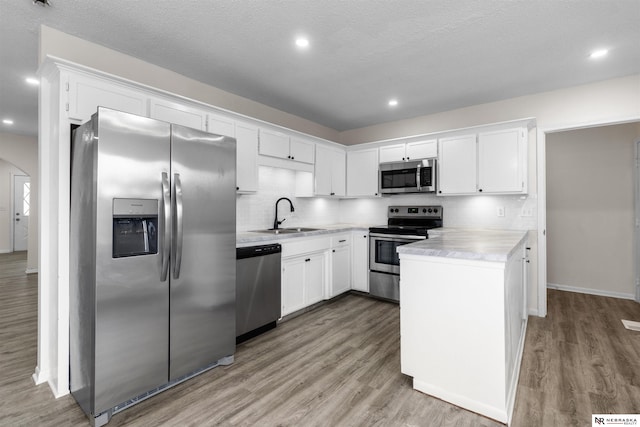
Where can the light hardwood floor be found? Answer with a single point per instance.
(340, 365)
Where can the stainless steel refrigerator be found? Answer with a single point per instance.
(152, 258)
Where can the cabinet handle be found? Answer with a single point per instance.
(333, 250)
(440, 191)
(292, 157)
(340, 241)
(408, 158)
(332, 194)
(365, 236)
(480, 190)
(307, 260)
(237, 188)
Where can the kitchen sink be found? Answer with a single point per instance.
(288, 230)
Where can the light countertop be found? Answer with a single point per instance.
(250, 238)
(470, 244)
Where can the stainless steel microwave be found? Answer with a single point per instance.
(415, 176)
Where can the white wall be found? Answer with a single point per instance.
(22, 152)
(65, 46)
(600, 102)
(591, 211)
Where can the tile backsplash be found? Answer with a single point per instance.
(256, 211)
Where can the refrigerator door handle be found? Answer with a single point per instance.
(177, 235)
(166, 232)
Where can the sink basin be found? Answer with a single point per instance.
(288, 230)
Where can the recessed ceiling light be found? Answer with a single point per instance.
(393, 103)
(302, 42)
(32, 81)
(598, 54)
(7, 121)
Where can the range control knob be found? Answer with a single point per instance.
(435, 210)
(430, 210)
(397, 210)
(390, 210)
(424, 210)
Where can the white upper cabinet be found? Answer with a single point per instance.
(492, 162)
(422, 149)
(502, 161)
(362, 172)
(410, 151)
(178, 113)
(247, 157)
(222, 125)
(281, 145)
(86, 94)
(457, 165)
(330, 171)
(392, 153)
(301, 150)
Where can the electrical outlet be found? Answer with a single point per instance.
(500, 211)
(526, 212)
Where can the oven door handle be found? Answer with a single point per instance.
(403, 237)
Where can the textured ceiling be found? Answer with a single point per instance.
(431, 55)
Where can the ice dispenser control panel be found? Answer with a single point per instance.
(135, 227)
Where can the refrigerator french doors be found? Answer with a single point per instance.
(152, 240)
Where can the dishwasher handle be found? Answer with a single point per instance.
(255, 251)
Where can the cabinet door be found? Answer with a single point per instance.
(362, 172)
(338, 173)
(500, 165)
(293, 287)
(301, 151)
(314, 278)
(457, 167)
(221, 125)
(274, 144)
(392, 153)
(247, 157)
(179, 114)
(422, 149)
(340, 270)
(323, 171)
(360, 263)
(86, 94)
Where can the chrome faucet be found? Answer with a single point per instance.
(276, 223)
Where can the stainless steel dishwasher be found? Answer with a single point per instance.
(257, 290)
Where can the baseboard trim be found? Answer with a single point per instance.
(31, 271)
(590, 291)
(5, 251)
(39, 376)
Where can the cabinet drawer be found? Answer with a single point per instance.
(340, 240)
(305, 246)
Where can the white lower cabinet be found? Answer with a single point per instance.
(303, 281)
(360, 261)
(340, 265)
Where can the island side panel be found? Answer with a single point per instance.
(452, 327)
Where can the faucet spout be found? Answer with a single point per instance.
(276, 223)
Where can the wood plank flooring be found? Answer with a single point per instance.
(339, 365)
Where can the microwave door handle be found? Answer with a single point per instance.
(177, 235)
(418, 177)
(166, 232)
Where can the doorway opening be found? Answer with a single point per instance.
(21, 211)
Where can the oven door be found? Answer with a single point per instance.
(383, 256)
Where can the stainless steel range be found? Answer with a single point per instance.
(406, 224)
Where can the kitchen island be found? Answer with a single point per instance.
(463, 317)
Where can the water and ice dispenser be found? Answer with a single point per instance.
(135, 227)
